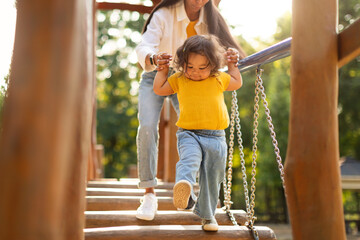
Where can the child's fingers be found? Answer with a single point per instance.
(232, 56)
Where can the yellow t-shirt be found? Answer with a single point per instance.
(190, 29)
(202, 104)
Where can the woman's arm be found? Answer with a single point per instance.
(150, 41)
(161, 86)
(236, 79)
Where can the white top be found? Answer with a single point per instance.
(166, 32)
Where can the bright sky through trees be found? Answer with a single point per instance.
(251, 18)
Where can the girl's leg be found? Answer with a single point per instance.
(211, 175)
(190, 155)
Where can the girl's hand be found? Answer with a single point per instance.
(162, 60)
(232, 56)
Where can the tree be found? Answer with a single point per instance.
(117, 87)
(349, 88)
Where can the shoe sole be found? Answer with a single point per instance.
(146, 218)
(181, 194)
(211, 228)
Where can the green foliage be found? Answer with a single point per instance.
(349, 88)
(117, 86)
(3, 95)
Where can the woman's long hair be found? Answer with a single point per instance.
(216, 23)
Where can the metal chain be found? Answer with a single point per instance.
(271, 126)
(227, 187)
(250, 205)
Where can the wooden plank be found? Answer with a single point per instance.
(312, 170)
(349, 43)
(125, 192)
(96, 219)
(176, 232)
(105, 203)
(350, 182)
(125, 184)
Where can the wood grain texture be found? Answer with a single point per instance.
(47, 120)
(312, 170)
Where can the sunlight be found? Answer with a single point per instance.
(7, 26)
(254, 19)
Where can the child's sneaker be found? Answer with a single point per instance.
(191, 203)
(181, 194)
(209, 225)
(148, 207)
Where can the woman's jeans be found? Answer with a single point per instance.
(202, 152)
(147, 137)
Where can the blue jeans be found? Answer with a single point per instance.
(202, 153)
(147, 137)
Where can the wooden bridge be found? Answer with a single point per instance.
(48, 141)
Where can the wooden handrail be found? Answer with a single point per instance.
(349, 43)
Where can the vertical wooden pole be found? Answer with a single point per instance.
(312, 163)
(84, 119)
(47, 120)
(171, 153)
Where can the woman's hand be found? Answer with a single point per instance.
(232, 56)
(162, 61)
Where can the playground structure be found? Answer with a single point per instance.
(48, 137)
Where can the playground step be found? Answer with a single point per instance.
(112, 203)
(90, 191)
(175, 232)
(125, 184)
(96, 219)
(129, 183)
(106, 203)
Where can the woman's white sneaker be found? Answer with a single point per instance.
(148, 207)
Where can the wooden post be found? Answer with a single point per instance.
(46, 129)
(312, 163)
(171, 153)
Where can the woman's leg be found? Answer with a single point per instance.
(150, 106)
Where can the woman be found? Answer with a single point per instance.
(170, 23)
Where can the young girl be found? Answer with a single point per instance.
(203, 117)
(169, 24)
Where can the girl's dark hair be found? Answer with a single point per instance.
(206, 45)
(216, 23)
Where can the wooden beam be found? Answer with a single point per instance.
(178, 232)
(171, 156)
(45, 137)
(312, 171)
(124, 6)
(349, 43)
(95, 219)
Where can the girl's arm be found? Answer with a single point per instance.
(236, 79)
(161, 85)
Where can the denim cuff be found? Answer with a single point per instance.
(148, 184)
